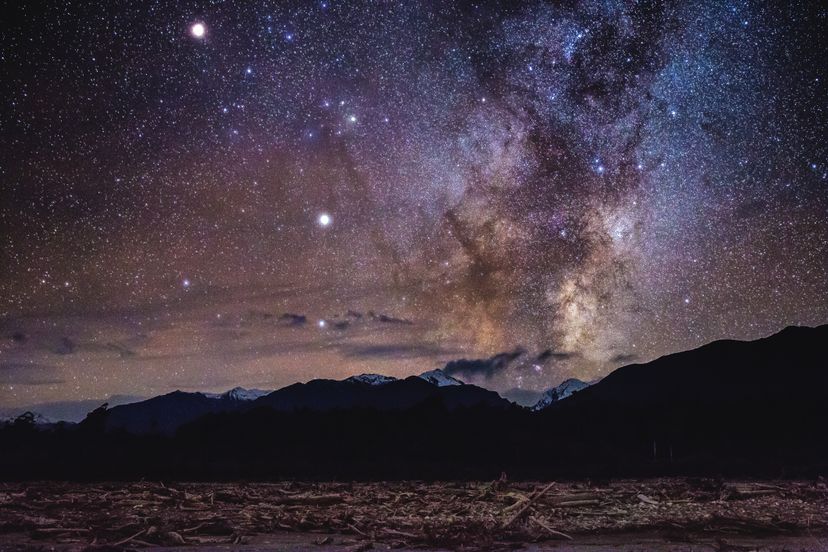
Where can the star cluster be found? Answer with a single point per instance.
(205, 194)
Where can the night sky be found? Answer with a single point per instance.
(199, 195)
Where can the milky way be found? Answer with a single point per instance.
(206, 194)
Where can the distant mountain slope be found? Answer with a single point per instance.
(724, 378)
(27, 417)
(562, 391)
(322, 395)
(789, 365)
(523, 397)
(167, 413)
(439, 378)
(371, 379)
(67, 411)
(239, 394)
(728, 408)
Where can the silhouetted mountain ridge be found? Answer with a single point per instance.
(725, 408)
(560, 392)
(167, 413)
(323, 395)
(724, 371)
(721, 372)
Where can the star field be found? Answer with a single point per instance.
(209, 194)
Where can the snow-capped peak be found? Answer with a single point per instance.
(238, 394)
(562, 391)
(371, 379)
(439, 378)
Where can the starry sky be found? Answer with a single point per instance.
(199, 195)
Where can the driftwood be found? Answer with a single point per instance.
(527, 504)
(574, 497)
(129, 539)
(646, 499)
(549, 529)
(402, 514)
(320, 500)
(573, 503)
(48, 530)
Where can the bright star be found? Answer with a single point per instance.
(324, 220)
(322, 323)
(198, 30)
(185, 283)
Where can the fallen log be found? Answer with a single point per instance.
(129, 539)
(647, 500)
(48, 530)
(555, 500)
(531, 500)
(396, 533)
(548, 529)
(312, 500)
(571, 503)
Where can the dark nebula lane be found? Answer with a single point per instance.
(200, 195)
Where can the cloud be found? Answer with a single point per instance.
(65, 347)
(624, 358)
(482, 367)
(257, 318)
(549, 354)
(357, 316)
(123, 351)
(356, 319)
(28, 373)
(291, 319)
(385, 319)
(392, 350)
(69, 411)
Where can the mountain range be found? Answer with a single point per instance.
(562, 391)
(668, 378)
(738, 407)
(789, 365)
(66, 411)
(167, 413)
(170, 411)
